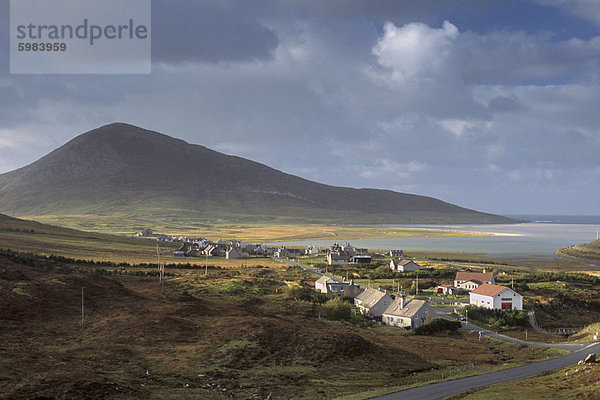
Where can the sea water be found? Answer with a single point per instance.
(537, 240)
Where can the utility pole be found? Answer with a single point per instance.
(417, 290)
(82, 305)
(161, 269)
(157, 256)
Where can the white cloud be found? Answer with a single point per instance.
(456, 126)
(416, 52)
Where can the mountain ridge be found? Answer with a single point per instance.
(121, 166)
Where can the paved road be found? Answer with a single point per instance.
(443, 389)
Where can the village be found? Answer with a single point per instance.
(385, 306)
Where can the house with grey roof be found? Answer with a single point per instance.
(403, 265)
(337, 259)
(321, 283)
(396, 253)
(407, 314)
(372, 302)
(311, 250)
(330, 286)
(234, 253)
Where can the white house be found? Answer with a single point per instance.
(470, 280)
(282, 252)
(372, 302)
(234, 253)
(311, 250)
(321, 283)
(396, 253)
(403, 265)
(496, 297)
(330, 286)
(407, 314)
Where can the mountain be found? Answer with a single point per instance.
(120, 169)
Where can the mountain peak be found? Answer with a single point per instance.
(119, 167)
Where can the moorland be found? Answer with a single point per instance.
(245, 329)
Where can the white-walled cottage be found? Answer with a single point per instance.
(372, 302)
(496, 297)
(407, 313)
(470, 280)
(403, 265)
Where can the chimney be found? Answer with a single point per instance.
(402, 300)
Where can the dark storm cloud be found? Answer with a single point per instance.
(209, 31)
(505, 104)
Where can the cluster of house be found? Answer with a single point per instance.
(232, 249)
(344, 254)
(378, 304)
(401, 312)
(483, 291)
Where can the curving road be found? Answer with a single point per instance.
(443, 389)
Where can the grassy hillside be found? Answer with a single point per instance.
(225, 335)
(34, 237)
(263, 231)
(590, 251)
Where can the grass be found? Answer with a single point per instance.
(207, 337)
(588, 251)
(581, 381)
(588, 333)
(450, 373)
(229, 330)
(278, 230)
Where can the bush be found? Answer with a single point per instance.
(438, 325)
(337, 309)
(498, 318)
(305, 294)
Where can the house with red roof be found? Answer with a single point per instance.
(496, 297)
(470, 280)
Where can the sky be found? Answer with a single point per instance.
(491, 105)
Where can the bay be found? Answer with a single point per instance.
(526, 240)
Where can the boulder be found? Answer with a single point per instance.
(591, 358)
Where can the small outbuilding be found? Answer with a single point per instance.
(361, 259)
(403, 265)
